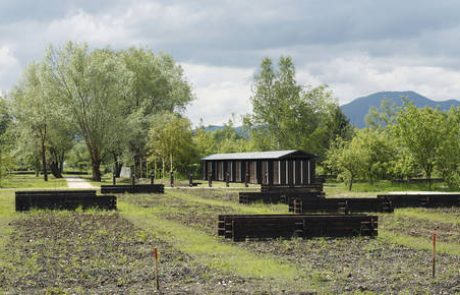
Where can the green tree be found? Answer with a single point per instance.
(418, 130)
(448, 151)
(34, 109)
(92, 89)
(348, 159)
(158, 85)
(170, 141)
(368, 155)
(7, 140)
(293, 116)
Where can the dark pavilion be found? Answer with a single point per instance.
(292, 167)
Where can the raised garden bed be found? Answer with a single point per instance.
(422, 200)
(262, 227)
(63, 200)
(339, 205)
(276, 196)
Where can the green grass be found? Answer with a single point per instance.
(367, 189)
(31, 181)
(419, 243)
(7, 214)
(257, 208)
(209, 251)
(429, 215)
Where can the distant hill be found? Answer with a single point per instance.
(357, 110)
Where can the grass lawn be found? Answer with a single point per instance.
(338, 189)
(31, 181)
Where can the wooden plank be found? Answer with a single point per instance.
(64, 202)
(241, 227)
(138, 188)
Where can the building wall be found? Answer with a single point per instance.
(276, 172)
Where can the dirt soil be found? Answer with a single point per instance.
(99, 253)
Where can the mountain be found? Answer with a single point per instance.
(357, 110)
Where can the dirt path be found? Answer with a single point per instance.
(77, 182)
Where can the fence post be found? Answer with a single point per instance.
(227, 176)
(433, 238)
(210, 179)
(133, 176)
(246, 179)
(297, 206)
(190, 180)
(157, 275)
(152, 178)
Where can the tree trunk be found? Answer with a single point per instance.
(96, 164)
(56, 163)
(54, 169)
(44, 164)
(350, 184)
(61, 162)
(140, 167)
(170, 163)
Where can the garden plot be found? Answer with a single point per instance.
(384, 264)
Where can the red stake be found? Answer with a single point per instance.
(433, 238)
(157, 275)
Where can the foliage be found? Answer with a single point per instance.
(103, 96)
(225, 140)
(367, 156)
(292, 116)
(419, 132)
(448, 150)
(6, 141)
(42, 125)
(170, 141)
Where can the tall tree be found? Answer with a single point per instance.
(93, 89)
(170, 140)
(294, 116)
(34, 110)
(418, 130)
(448, 151)
(158, 85)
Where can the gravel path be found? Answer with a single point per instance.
(77, 182)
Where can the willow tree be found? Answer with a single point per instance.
(93, 88)
(33, 109)
(158, 86)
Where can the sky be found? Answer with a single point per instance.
(355, 47)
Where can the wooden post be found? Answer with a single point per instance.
(171, 179)
(433, 238)
(227, 177)
(297, 206)
(210, 179)
(246, 179)
(157, 275)
(190, 180)
(133, 177)
(152, 178)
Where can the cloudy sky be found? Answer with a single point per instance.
(355, 47)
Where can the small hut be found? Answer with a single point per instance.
(292, 167)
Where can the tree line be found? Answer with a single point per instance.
(101, 109)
